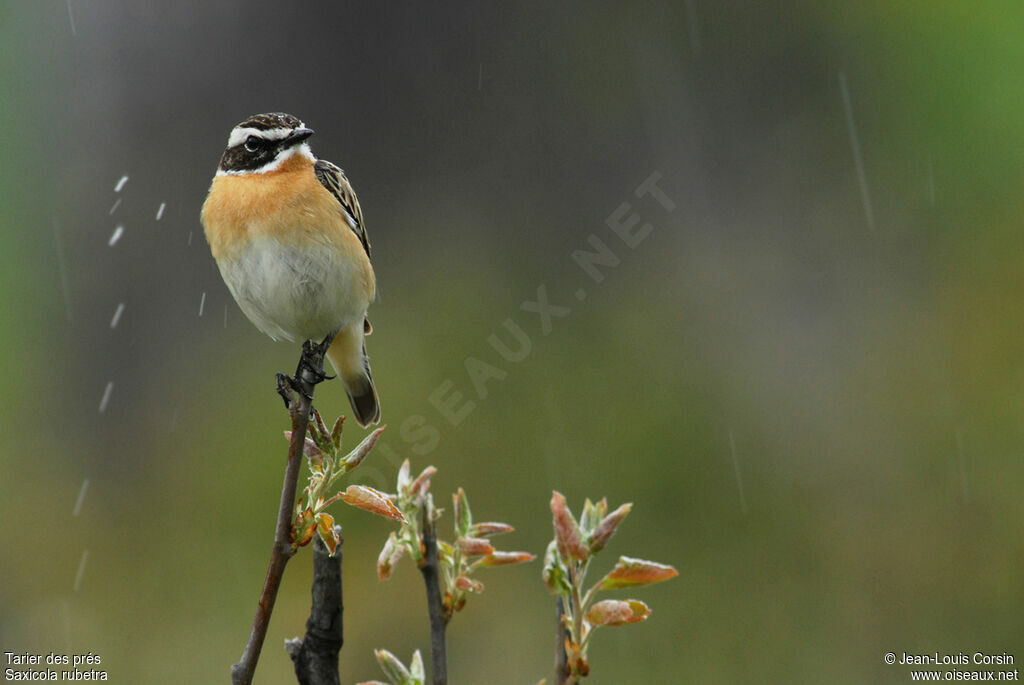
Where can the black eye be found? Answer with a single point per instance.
(252, 143)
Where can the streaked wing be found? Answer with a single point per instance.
(333, 178)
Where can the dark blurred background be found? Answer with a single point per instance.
(808, 377)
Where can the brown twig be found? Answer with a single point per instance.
(316, 655)
(299, 406)
(438, 618)
(561, 659)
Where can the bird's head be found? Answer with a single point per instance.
(262, 142)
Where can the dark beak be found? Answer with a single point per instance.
(297, 136)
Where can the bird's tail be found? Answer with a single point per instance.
(347, 354)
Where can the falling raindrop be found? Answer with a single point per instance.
(736, 470)
(202, 303)
(81, 497)
(160, 211)
(117, 204)
(71, 18)
(81, 569)
(120, 184)
(116, 235)
(117, 315)
(190, 238)
(858, 160)
(106, 396)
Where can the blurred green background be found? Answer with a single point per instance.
(809, 381)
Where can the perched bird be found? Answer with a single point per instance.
(288, 236)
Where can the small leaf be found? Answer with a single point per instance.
(303, 528)
(489, 528)
(320, 432)
(393, 551)
(589, 518)
(356, 456)
(474, 547)
(469, 584)
(445, 550)
(606, 529)
(463, 517)
(336, 432)
(325, 526)
(420, 486)
(416, 669)
(403, 478)
(303, 517)
(554, 573)
(618, 612)
(392, 667)
(506, 558)
(303, 537)
(567, 532)
(631, 572)
(366, 498)
(575, 659)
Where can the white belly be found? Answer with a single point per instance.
(293, 292)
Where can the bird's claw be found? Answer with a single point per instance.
(312, 360)
(308, 373)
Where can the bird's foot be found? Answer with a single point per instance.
(308, 373)
(312, 360)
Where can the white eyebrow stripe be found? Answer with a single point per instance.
(239, 134)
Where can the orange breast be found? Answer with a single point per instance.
(288, 204)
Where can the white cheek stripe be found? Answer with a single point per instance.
(239, 134)
(300, 150)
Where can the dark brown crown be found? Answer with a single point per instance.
(271, 120)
